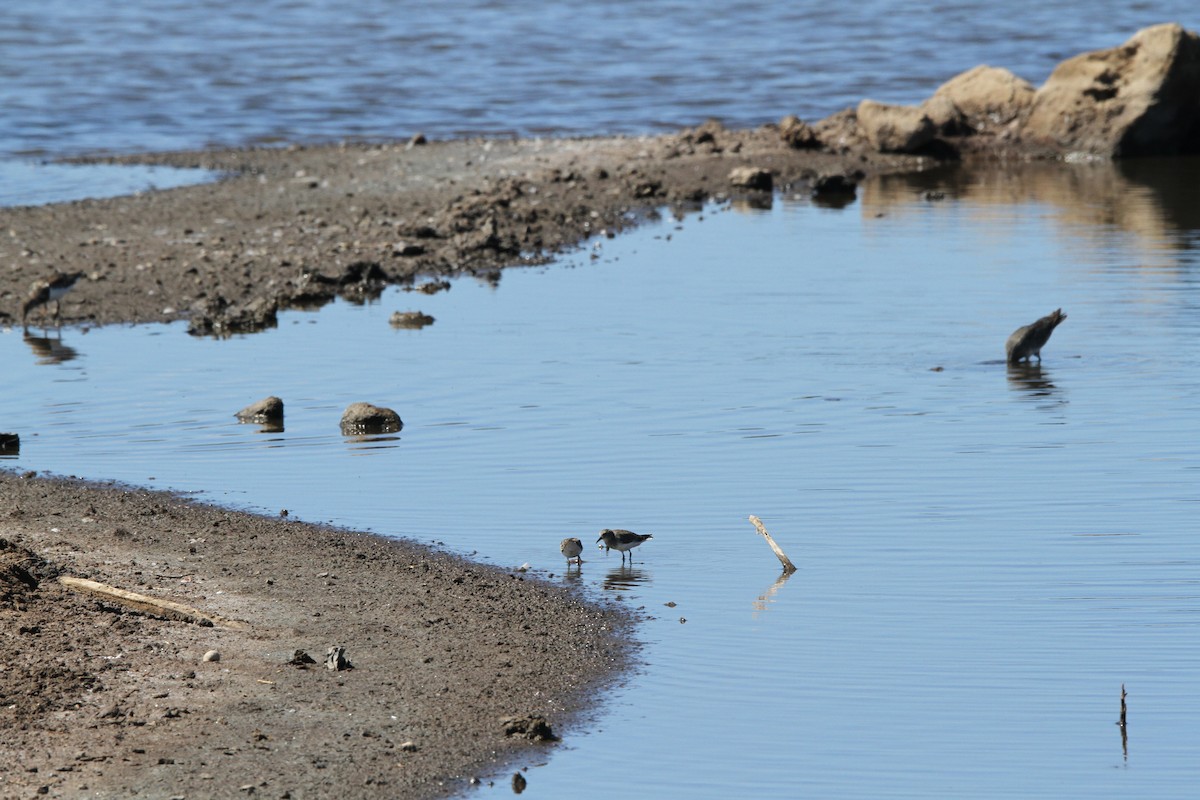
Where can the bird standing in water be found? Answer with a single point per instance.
(572, 548)
(623, 541)
(1028, 340)
(44, 291)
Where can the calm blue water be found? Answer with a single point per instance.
(136, 76)
(985, 554)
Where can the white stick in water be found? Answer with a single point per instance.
(788, 566)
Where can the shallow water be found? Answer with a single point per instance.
(986, 554)
(137, 76)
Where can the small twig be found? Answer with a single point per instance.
(1122, 722)
(788, 566)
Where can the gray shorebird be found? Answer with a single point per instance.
(572, 549)
(623, 541)
(52, 289)
(1028, 340)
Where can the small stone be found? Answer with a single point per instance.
(410, 320)
(518, 783)
(409, 747)
(335, 659)
(301, 658)
(212, 655)
(531, 726)
(797, 133)
(751, 178)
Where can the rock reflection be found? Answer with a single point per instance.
(363, 444)
(50, 349)
(624, 578)
(1153, 199)
(767, 597)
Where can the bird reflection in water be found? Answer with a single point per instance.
(50, 349)
(1031, 379)
(624, 578)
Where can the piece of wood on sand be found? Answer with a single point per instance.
(788, 566)
(149, 605)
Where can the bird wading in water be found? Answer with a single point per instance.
(1028, 340)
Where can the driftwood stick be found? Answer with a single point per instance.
(788, 566)
(147, 604)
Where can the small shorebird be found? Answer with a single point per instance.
(43, 291)
(1028, 340)
(572, 548)
(623, 541)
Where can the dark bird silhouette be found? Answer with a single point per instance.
(622, 540)
(53, 289)
(1028, 340)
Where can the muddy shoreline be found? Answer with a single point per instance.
(105, 701)
(298, 226)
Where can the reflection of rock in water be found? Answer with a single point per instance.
(50, 350)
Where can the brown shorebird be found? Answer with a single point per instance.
(44, 291)
(1028, 340)
(572, 549)
(623, 541)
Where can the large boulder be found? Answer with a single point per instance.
(982, 99)
(1142, 98)
(895, 129)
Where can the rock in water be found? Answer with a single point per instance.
(365, 418)
(1028, 340)
(269, 409)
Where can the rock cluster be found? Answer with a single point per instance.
(1139, 99)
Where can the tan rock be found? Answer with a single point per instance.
(751, 178)
(895, 129)
(798, 133)
(985, 98)
(1142, 98)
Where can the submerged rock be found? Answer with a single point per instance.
(269, 409)
(410, 319)
(367, 418)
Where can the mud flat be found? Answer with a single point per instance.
(98, 699)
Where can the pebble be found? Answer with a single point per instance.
(212, 655)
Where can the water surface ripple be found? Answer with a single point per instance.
(986, 553)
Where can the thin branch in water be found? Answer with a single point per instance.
(788, 566)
